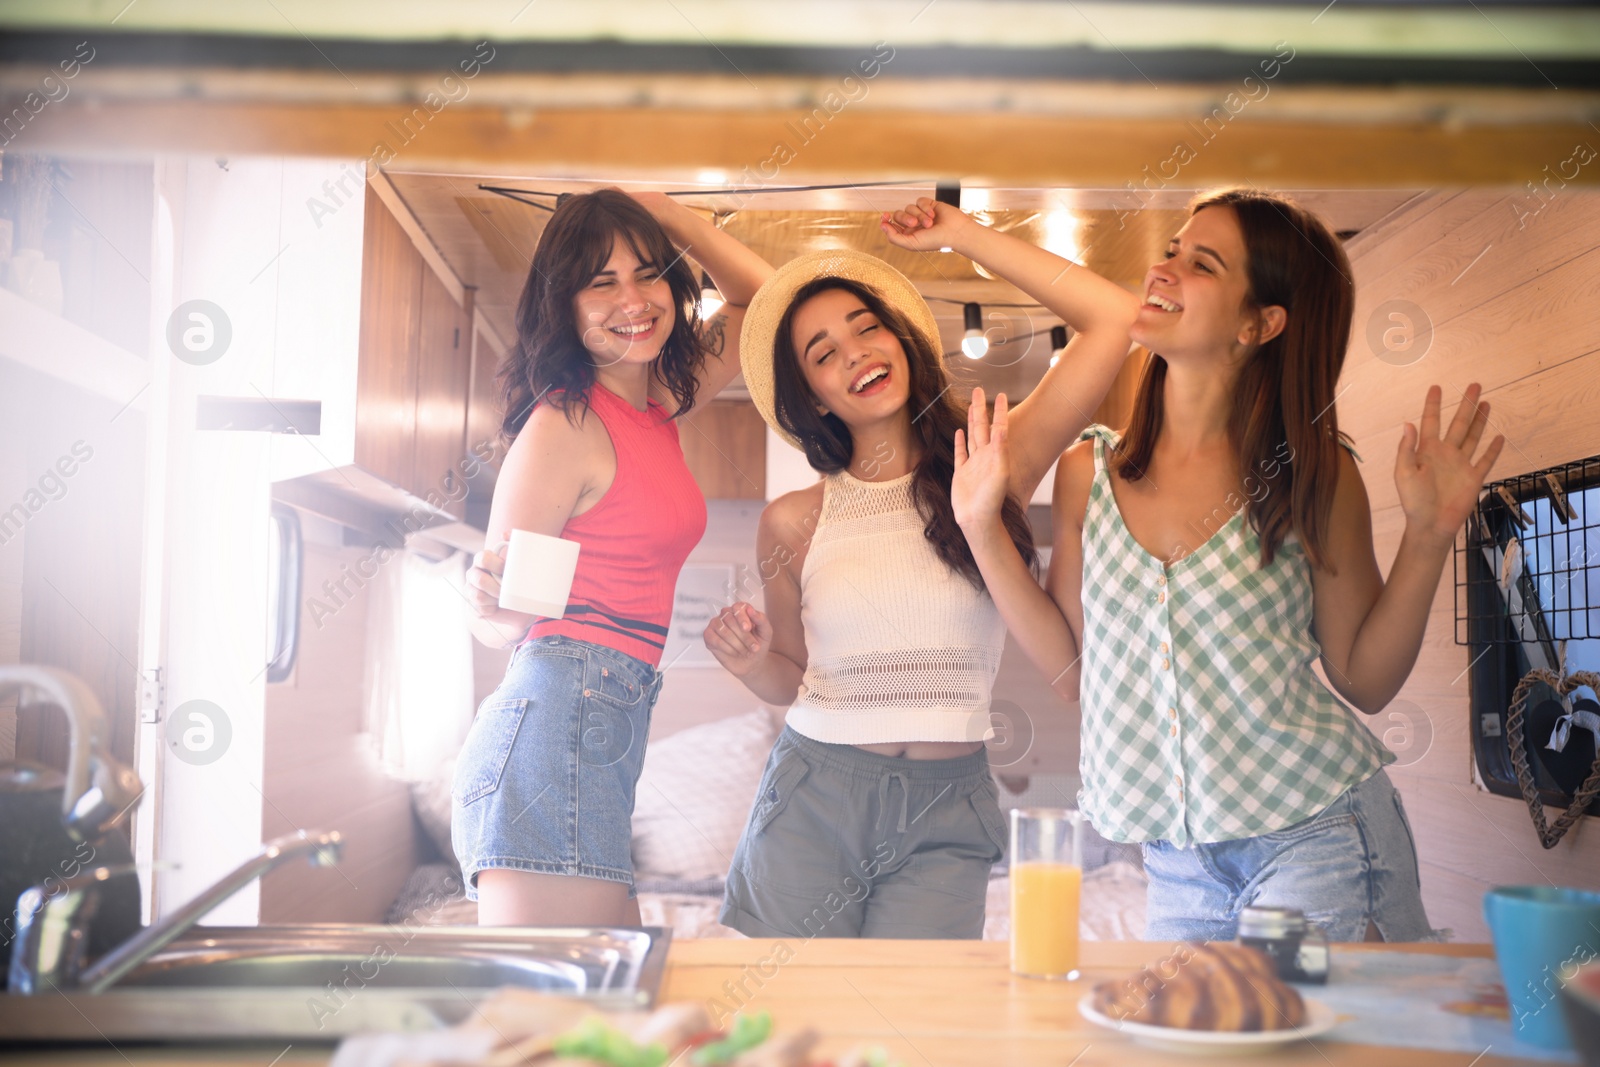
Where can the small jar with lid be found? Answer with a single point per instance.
(1297, 948)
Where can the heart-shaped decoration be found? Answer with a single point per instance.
(1571, 765)
(1549, 834)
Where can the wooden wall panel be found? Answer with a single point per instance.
(725, 445)
(1517, 318)
(444, 372)
(391, 316)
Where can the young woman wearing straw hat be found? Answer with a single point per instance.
(1206, 558)
(876, 815)
(610, 350)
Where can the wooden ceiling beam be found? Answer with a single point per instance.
(782, 146)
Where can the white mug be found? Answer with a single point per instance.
(538, 575)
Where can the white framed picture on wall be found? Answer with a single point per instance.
(703, 590)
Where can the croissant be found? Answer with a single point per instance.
(1205, 986)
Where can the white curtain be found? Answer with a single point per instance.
(419, 664)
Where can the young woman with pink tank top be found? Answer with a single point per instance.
(876, 815)
(610, 351)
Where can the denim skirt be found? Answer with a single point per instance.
(545, 780)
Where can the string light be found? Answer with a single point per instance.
(1058, 343)
(710, 299)
(973, 343)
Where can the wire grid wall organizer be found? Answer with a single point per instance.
(1527, 597)
(1537, 538)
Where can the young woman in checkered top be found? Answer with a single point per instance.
(1207, 557)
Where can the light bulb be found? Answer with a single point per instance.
(973, 343)
(710, 299)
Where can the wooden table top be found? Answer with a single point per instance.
(929, 1003)
(956, 1004)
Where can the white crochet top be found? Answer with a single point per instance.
(900, 647)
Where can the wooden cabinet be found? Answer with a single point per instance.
(483, 398)
(725, 445)
(415, 367)
(386, 376)
(444, 373)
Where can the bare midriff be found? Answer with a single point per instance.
(923, 749)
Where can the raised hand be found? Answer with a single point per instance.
(925, 226)
(1437, 480)
(658, 204)
(740, 637)
(983, 464)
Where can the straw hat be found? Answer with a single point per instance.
(767, 308)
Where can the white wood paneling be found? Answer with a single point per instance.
(1510, 300)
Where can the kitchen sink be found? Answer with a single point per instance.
(319, 982)
(324, 968)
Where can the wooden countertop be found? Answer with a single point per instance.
(929, 1003)
(956, 1004)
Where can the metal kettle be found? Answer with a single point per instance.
(53, 826)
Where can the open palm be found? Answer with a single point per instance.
(983, 464)
(1435, 475)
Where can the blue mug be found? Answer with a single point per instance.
(1539, 933)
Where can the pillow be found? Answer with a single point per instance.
(694, 796)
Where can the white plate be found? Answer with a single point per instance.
(1319, 1020)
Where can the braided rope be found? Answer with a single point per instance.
(1549, 835)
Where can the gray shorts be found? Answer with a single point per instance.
(846, 843)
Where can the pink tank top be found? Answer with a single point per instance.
(634, 541)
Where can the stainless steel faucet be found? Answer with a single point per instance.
(47, 952)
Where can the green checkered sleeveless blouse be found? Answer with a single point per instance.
(1202, 719)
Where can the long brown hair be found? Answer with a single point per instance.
(829, 446)
(1283, 398)
(549, 362)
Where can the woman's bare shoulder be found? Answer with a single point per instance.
(1074, 475)
(792, 517)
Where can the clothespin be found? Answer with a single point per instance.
(1563, 507)
(1480, 528)
(1510, 565)
(1515, 508)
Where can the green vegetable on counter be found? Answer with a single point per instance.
(748, 1032)
(594, 1040)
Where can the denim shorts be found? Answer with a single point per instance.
(545, 780)
(1353, 861)
(847, 843)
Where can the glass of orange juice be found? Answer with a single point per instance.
(1046, 877)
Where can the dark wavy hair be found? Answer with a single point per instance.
(548, 363)
(829, 446)
(1285, 390)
